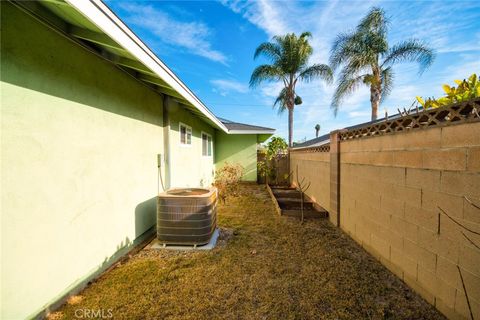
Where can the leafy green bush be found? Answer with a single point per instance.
(275, 146)
(227, 180)
(466, 90)
(267, 167)
(263, 169)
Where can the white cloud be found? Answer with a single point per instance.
(264, 14)
(324, 20)
(327, 19)
(469, 64)
(224, 86)
(471, 46)
(271, 90)
(193, 36)
(403, 96)
(438, 25)
(355, 114)
(268, 18)
(430, 85)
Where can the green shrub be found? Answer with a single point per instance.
(263, 169)
(465, 90)
(275, 146)
(267, 168)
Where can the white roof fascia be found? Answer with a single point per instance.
(251, 131)
(100, 15)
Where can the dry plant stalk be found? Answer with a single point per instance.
(302, 188)
(227, 180)
(467, 238)
(465, 290)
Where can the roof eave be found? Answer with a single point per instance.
(317, 144)
(99, 14)
(251, 131)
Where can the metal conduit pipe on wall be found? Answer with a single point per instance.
(166, 140)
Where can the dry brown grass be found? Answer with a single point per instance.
(271, 268)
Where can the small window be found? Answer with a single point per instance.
(185, 135)
(206, 144)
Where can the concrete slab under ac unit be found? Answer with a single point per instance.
(156, 244)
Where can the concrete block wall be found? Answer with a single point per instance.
(391, 187)
(315, 168)
(335, 175)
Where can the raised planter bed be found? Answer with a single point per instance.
(288, 203)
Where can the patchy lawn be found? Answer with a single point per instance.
(271, 268)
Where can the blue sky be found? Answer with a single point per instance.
(210, 46)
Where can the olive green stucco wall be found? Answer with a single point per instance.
(79, 145)
(78, 171)
(188, 168)
(241, 149)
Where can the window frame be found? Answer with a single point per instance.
(187, 128)
(209, 136)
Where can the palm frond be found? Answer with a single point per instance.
(289, 55)
(387, 77)
(359, 63)
(317, 71)
(359, 48)
(362, 46)
(265, 72)
(375, 21)
(269, 50)
(364, 49)
(304, 49)
(306, 34)
(346, 85)
(343, 43)
(410, 50)
(281, 101)
(295, 51)
(374, 43)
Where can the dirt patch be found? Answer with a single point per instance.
(264, 267)
(225, 235)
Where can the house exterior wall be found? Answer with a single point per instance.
(79, 145)
(78, 170)
(188, 167)
(237, 149)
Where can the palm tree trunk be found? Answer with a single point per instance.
(290, 127)
(375, 97)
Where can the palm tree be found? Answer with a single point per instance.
(317, 130)
(367, 58)
(289, 56)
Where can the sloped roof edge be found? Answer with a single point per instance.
(106, 20)
(326, 137)
(315, 142)
(243, 128)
